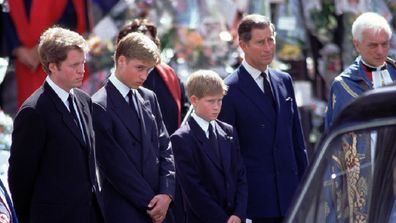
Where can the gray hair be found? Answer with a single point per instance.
(370, 21)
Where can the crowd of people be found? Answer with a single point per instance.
(122, 154)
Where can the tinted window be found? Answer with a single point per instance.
(354, 180)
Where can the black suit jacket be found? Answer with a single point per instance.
(213, 188)
(52, 173)
(134, 168)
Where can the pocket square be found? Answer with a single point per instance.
(289, 99)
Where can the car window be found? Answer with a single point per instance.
(354, 181)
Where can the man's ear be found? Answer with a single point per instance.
(193, 100)
(121, 61)
(356, 44)
(52, 67)
(242, 44)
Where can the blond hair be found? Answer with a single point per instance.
(203, 83)
(138, 46)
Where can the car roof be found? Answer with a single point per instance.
(378, 103)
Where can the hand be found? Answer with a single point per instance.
(158, 207)
(234, 219)
(28, 56)
(4, 218)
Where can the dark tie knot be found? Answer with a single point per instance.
(267, 89)
(210, 129)
(130, 95)
(132, 98)
(134, 103)
(70, 99)
(213, 140)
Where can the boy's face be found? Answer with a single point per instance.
(132, 72)
(207, 107)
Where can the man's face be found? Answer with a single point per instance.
(374, 47)
(132, 72)
(207, 107)
(70, 72)
(260, 49)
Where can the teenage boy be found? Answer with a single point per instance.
(208, 161)
(134, 152)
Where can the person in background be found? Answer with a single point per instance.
(7, 212)
(25, 22)
(133, 147)
(209, 165)
(52, 173)
(371, 36)
(162, 79)
(261, 106)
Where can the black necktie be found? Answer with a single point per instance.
(133, 103)
(71, 99)
(213, 141)
(267, 89)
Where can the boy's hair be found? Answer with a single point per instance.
(137, 46)
(55, 43)
(203, 83)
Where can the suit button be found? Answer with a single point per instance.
(262, 125)
(227, 185)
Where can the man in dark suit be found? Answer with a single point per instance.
(208, 161)
(134, 152)
(261, 105)
(52, 173)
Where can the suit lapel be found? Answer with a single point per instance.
(123, 111)
(147, 122)
(277, 87)
(85, 118)
(204, 143)
(146, 114)
(66, 116)
(253, 92)
(280, 94)
(224, 147)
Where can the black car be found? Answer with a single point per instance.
(352, 177)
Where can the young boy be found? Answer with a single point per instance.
(208, 162)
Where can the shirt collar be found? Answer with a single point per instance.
(203, 123)
(121, 87)
(62, 94)
(371, 67)
(252, 71)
